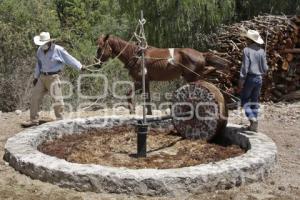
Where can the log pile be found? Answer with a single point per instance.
(282, 38)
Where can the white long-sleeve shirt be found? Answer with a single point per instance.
(54, 60)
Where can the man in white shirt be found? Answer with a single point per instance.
(51, 59)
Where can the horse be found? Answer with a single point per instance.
(161, 64)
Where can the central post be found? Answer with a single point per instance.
(142, 127)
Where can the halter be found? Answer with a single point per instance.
(102, 52)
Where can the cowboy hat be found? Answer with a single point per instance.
(42, 39)
(254, 36)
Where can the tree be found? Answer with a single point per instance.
(19, 22)
(246, 9)
(174, 23)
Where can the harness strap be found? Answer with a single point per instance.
(171, 60)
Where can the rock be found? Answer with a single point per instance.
(167, 111)
(261, 196)
(18, 112)
(121, 108)
(282, 188)
(156, 112)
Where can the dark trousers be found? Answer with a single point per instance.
(250, 95)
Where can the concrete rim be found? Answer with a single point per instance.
(22, 154)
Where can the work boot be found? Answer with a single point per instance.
(45, 120)
(29, 123)
(253, 125)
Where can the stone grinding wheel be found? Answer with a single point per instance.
(207, 104)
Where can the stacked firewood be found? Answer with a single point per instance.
(282, 43)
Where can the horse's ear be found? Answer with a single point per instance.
(100, 38)
(106, 37)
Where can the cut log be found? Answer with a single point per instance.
(285, 65)
(289, 57)
(209, 69)
(295, 51)
(282, 88)
(277, 93)
(292, 96)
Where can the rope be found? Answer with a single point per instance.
(200, 76)
(99, 62)
(106, 63)
(141, 38)
(182, 65)
(94, 103)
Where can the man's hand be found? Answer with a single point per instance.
(83, 68)
(34, 81)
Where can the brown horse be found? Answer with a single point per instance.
(159, 63)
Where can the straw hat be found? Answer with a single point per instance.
(42, 39)
(254, 36)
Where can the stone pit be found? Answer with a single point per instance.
(21, 153)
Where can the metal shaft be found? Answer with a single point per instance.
(142, 128)
(168, 117)
(143, 68)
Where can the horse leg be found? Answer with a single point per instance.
(190, 77)
(148, 97)
(131, 105)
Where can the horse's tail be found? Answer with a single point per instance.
(216, 61)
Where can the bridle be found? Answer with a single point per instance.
(102, 52)
(106, 44)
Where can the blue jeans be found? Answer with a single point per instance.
(250, 95)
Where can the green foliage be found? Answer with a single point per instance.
(83, 21)
(18, 26)
(246, 9)
(19, 22)
(174, 23)
(76, 24)
(186, 23)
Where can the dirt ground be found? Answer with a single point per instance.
(281, 122)
(117, 146)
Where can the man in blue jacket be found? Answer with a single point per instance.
(51, 59)
(253, 68)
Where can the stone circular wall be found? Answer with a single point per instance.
(22, 154)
